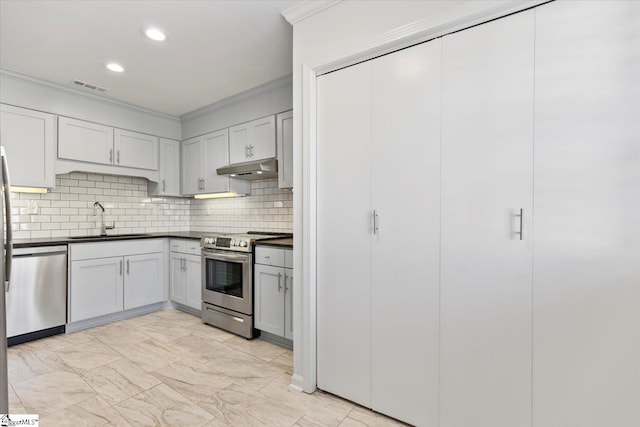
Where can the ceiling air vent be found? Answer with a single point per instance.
(80, 83)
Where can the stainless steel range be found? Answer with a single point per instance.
(227, 280)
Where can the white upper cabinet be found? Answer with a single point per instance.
(85, 141)
(29, 139)
(486, 264)
(284, 126)
(169, 168)
(216, 153)
(586, 307)
(192, 166)
(135, 150)
(90, 142)
(201, 156)
(254, 140)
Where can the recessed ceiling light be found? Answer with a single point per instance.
(117, 68)
(155, 34)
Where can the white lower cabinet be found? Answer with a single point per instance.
(101, 283)
(96, 288)
(186, 275)
(142, 275)
(273, 282)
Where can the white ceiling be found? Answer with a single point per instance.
(215, 48)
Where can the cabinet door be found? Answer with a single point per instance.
(96, 287)
(193, 277)
(216, 154)
(486, 269)
(85, 141)
(169, 184)
(263, 138)
(406, 106)
(586, 307)
(29, 141)
(269, 298)
(144, 281)
(288, 303)
(135, 150)
(192, 166)
(254, 140)
(344, 209)
(177, 286)
(284, 123)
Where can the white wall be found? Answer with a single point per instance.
(342, 34)
(23, 91)
(271, 98)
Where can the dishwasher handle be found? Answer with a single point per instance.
(39, 251)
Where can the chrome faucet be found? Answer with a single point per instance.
(103, 227)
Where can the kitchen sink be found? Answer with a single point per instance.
(114, 236)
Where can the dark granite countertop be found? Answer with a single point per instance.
(51, 241)
(287, 242)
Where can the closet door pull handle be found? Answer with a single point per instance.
(521, 224)
(376, 222)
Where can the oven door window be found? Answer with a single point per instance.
(224, 277)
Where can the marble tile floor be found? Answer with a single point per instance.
(167, 369)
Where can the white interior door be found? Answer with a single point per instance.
(486, 276)
(344, 229)
(587, 221)
(405, 135)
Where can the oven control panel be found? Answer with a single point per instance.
(227, 243)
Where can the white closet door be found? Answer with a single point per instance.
(344, 233)
(406, 97)
(486, 276)
(587, 222)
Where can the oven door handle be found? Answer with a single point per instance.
(225, 257)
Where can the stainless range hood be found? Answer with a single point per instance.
(256, 169)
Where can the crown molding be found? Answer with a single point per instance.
(278, 83)
(305, 9)
(75, 92)
(466, 15)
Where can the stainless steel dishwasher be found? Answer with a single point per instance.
(37, 298)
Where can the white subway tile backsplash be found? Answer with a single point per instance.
(68, 209)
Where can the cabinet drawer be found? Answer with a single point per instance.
(288, 258)
(270, 256)
(185, 246)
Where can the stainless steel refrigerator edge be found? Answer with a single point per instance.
(5, 274)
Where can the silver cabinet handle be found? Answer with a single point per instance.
(251, 151)
(127, 266)
(286, 288)
(267, 256)
(279, 284)
(376, 222)
(111, 156)
(164, 187)
(118, 156)
(521, 224)
(184, 262)
(121, 267)
(8, 261)
(246, 151)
